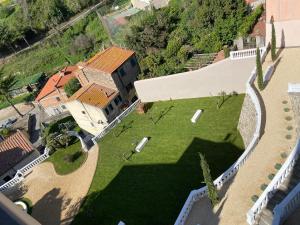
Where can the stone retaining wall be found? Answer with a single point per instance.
(247, 121)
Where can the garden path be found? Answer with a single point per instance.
(56, 199)
(237, 200)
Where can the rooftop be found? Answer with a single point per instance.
(110, 59)
(95, 95)
(58, 80)
(13, 149)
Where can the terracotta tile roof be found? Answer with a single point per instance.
(95, 94)
(13, 149)
(110, 59)
(57, 80)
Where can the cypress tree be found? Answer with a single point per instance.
(259, 71)
(273, 41)
(212, 191)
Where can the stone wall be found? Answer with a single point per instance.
(247, 121)
(295, 100)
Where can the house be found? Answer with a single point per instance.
(286, 15)
(115, 68)
(15, 152)
(52, 97)
(94, 106)
(147, 4)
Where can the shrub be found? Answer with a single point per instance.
(283, 155)
(260, 81)
(254, 198)
(273, 41)
(288, 118)
(72, 86)
(289, 127)
(226, 51)
(250, 21)
(277, 166)
(286, 109)
(284, 102)
(263, 187)
(288, 136)
(271, 176)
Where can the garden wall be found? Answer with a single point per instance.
(247, 124)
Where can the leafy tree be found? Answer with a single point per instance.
(212, 191)
(72, 86)
(273, 41)
(6, 84)
(260, 81)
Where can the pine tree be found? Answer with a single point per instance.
(212, 191)
(259, 71)
(273, 41)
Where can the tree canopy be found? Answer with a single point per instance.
(164, 38)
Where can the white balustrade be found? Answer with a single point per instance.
(293, 88)
(116, 121)
(285, 208)
(279, 178)
(196, 195)
(247, 53)
(24, 170)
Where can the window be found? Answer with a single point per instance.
(58, 99)
(111, 108)
(129, 87)
(63, 106)
(117, 100)
(120, 98)
(106, 111)
(83, 112)
(133, 62)
(122, 72)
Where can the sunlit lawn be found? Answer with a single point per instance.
(151, 187)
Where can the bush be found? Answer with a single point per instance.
(72, 86)
(260, 81)
(263, 187)
(250, 21)
(254, 198)
(277, 166)
(81, 43)
(271, 176)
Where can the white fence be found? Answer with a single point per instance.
(283, 210)
(293, 88)
(195, 195)
(24, 170)
(116, 121)
(280, 177)
(248, 53)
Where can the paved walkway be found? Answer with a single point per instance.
(237, 200)
(57, 199)
(226, 75)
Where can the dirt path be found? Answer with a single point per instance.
(57, 199)
(10, 112)
(237, 200)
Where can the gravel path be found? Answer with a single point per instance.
(237, 200)
(57, 199)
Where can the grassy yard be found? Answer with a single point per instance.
(19, 99)
(151, 187)
(67, 160)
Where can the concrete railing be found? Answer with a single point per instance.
(24, 170)
(196, 195)
(248, 53)
(279, 178)
(116, 121)
(283, 210)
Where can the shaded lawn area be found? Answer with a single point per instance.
(67, 160)
(151, 187)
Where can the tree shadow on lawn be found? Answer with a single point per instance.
(154, 194)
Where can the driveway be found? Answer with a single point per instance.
(56, 199)
(226, 75)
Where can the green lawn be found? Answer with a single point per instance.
(19, 99)
(152, 186)
(67, 160)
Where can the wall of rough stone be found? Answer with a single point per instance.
(295, 100)
(247, 121)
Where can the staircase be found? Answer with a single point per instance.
(266, 216)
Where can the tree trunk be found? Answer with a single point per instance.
(10, 102)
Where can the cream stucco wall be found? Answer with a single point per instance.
(286, 14)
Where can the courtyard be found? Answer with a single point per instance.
(151, 187)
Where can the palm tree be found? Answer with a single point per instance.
(6, 84)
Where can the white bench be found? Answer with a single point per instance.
(196, 116)
(142, 144)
